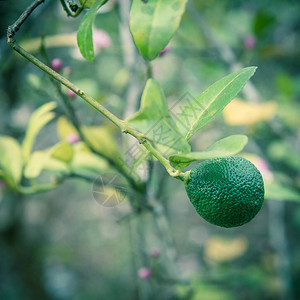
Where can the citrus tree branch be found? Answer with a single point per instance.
(13, 29)
(123, 125)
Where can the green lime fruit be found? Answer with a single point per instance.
(227, 192)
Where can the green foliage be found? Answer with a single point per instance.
(154, 120)
(153, 23)
(87, 3)
(62, 151)
(211, 102)
(63, 224)
(84, 161)
(227, 192)
(85, 32)
(11, 161)
(42, 160)
(225, 147)
(277, 191)
(100, 138)
(38, 120)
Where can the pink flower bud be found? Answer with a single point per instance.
(56, 64)
(71, 94)
(2, 184)
(72, 138)
(249, 42)
(144, 273)
(101, 39)
(165, 50)
(67, 70)
(263, 167)
(154, 252)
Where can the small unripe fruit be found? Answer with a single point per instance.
(227, 192)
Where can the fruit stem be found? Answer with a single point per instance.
(184, 177)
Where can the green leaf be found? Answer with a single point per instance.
(154, 120)
(11, 162)
(41, 160)
(85, 32)
(38, 120)
(225, 147)
(64, 128)
(276, 191)
(153, 23)
(87, 3)
(86, 161)
(100, 138)
(212, 101)
(62, 151)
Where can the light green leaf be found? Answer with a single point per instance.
(64, 128)
(38, 120)
(87, 3)
(85, 32)
(35, 164)
(225, 147)
(86, 161)
(154, 120)
(11, 162)
(276, 191)
(62, 151)
(153, 23)
(39, 161)
(212, 101)
(100, 138)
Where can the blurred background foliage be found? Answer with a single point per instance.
(63, 245)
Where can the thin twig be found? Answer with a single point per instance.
(123, 125)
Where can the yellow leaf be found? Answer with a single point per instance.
(239, 112)
(222, 249)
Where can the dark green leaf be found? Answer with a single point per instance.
(225, 147)
(153, 23)
(211, 102)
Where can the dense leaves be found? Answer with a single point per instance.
(154, 120)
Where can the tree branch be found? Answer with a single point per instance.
(123, 125)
